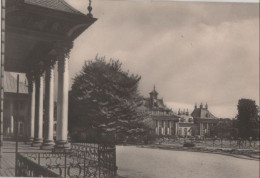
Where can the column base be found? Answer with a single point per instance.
(37, 142)
(61, 145)
(47, 145)
(29, 141)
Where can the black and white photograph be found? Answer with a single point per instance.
(130, 88)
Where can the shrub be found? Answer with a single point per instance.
(188, 145)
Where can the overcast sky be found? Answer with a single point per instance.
(192, 52)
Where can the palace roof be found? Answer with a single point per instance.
(159, 105)
(202, 113)
(185, 124)
(59, 5)
(166, 117)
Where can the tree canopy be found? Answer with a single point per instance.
(248, 124)
(105, 98)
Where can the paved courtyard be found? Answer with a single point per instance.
(135, 162)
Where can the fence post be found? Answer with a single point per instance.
(99, 160)
(16, 127)
(39, 162)
(84, 169)
(115, 161)
(65, 169)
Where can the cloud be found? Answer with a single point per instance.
(193, 52)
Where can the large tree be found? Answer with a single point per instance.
(248, 124)
(104, 100)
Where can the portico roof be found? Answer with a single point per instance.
(37, 31)
(60, 5)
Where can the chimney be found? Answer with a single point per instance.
(201, 105)
(187, 112)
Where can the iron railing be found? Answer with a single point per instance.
(82, 160)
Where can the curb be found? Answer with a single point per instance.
(203, 150)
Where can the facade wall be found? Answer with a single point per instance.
(199, 128)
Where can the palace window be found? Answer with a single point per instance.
(167, 123)
(160, 123)
(20, 128)
(185, 131)
(180, 131)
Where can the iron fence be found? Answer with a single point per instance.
(82, 160)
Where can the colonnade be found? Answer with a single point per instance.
(43, 137)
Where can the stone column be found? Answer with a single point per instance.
(170, 127)
(38, 111)
(62, 104)
(207, 128)
(48, 142)
(176, 128)
(11, 118)
(157, 127)
(164, 131)
(201, 129)
(32, 110)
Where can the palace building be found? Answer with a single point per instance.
(165, 122)
(204, 119)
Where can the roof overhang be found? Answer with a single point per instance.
(32, 32)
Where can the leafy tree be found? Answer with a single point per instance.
(223, 128)
(248, 124)
(104, 101)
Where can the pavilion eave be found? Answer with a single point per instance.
(32, 32)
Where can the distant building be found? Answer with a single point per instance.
(204, 120)
(162, 119)
(15, 105)
(186, 124)
(167, 123)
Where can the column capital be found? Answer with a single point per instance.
(62, 48)
(36, 71)
(31, 80)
